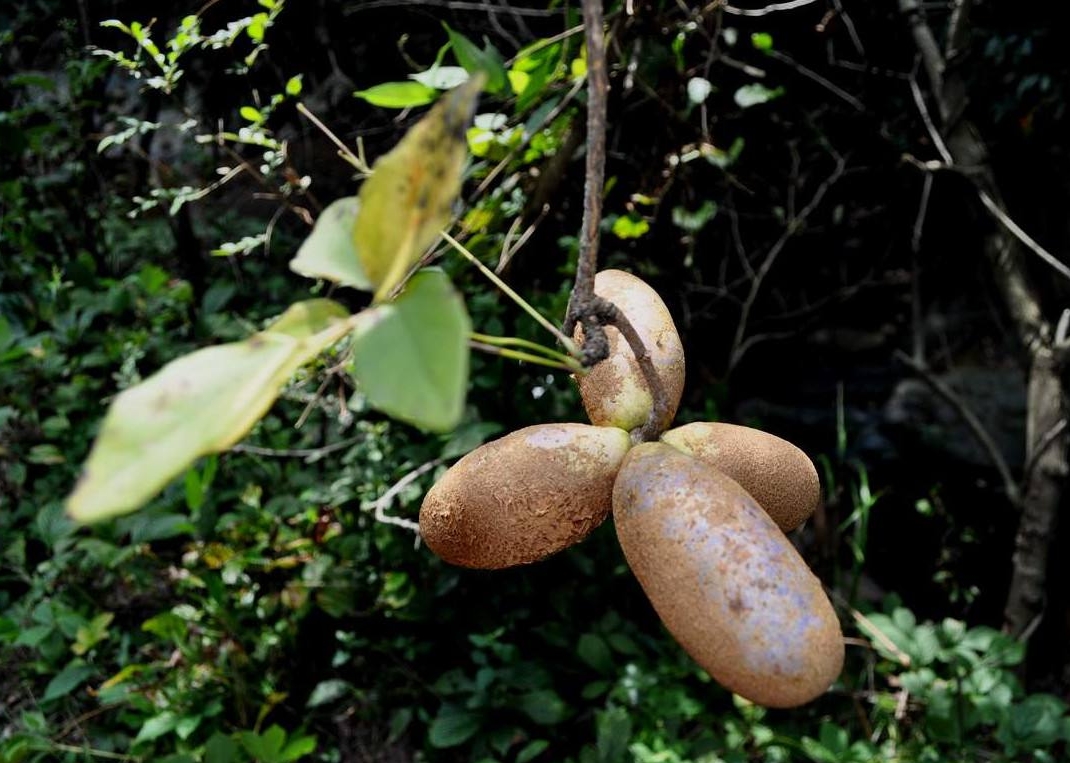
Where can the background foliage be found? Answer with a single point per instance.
(263, 608)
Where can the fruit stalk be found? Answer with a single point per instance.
(585, 307)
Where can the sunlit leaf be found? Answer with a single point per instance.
(627, 227)
(410, 357)
(473, 59)
(698, 89)
(398, 95)
(442, 77)
(201, 403)
(755, 94)
(329, 251)
(407, 200)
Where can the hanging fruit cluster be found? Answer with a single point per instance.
(700, 515)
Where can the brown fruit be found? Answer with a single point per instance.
(614, 392)
(525, 496)
(724, 579)
(781, 477)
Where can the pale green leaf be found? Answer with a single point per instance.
(408, 198)
(755, 94)
(410, 357)
(398, 95)
(442, 77)
(201, 403)
(329, 252)
(156, 727)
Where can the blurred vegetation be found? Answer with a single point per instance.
(264, 609)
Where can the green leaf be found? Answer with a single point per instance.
(698, 90)
(531, 750)
(761, 41)
(297, 748)
(614, 728)
(593, 650)
(452, 726)
(251, 114)
(293, 86)
(398, 95)
(156, 727)
(442, 77)
(410, 357)
(755, 94)
(627, 227)
(201, 403)
(488, 60)
(92, 633)
(67, 680)
(544, 707)
(408, 198)
(328, 691)
(329, 252)
(220, 749)
(266, 746)
(693, 222)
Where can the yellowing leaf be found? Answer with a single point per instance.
(407, 200)
(201, 403)
(329, 251)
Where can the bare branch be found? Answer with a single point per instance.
(307, 453)
(772, 8)
(1010, 485)
(383, 502)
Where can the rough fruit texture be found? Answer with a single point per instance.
(525, 496)
(613, 391)
(724, 579)
(780, 477)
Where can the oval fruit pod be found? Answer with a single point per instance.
(613, 391)
(724, 579)
(780, 477)
(525, 496)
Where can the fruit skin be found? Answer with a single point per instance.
(724, 579)
(614, 392)
(525, 496)
(780, 477)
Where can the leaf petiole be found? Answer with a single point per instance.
(511, 341)
(525, 356)
(567, 343)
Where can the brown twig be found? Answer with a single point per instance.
(586, 308)
(794, 225)
(984, 439)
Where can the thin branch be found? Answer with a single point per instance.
(810, 74)
(453, 5)
(345, 151)
(773, 8)
(586, 308)
(1041, 448)
(1014, 229)
(967, 415)
(256, 450)
(793, 227)
(594, 183)
(930, 127)
(383, 502)
(567, 343)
